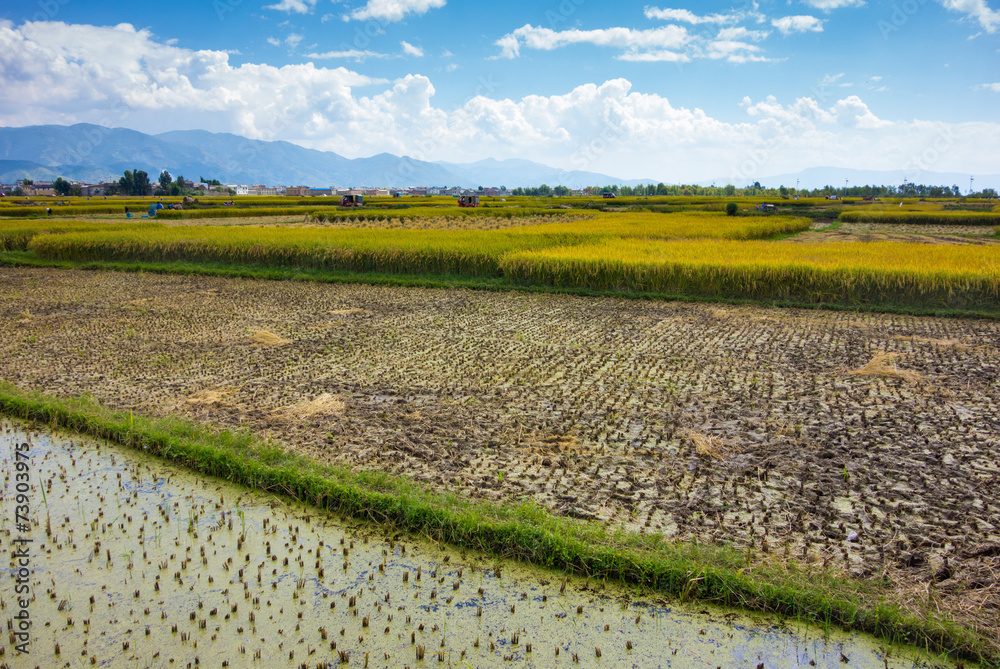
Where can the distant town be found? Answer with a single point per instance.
(138, 184)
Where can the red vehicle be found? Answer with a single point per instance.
(468, 201)
(352, 201)
(608, 195)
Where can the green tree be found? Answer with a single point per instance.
(165, 180)
(134, 183)
(62, 187)
(731, 209)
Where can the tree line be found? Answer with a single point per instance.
(757, 190)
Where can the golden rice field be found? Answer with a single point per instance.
(15, 234)
(470, 252)
(918, 274)
(697, 253)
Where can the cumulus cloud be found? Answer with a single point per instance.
(977, 10)
(391, 11)
(411, 50)
(293, 6)
(789, 25)
(121, 76)
(670, 43)
(656, 44)
(667, 38)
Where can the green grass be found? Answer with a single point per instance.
(525, 532)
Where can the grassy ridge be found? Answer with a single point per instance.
(525, 532)
(887, 273)
(921, 217)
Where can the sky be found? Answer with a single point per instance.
(671, 91)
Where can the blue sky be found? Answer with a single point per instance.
(677, 91)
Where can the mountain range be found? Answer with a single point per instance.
(86, 152)
(93, 153)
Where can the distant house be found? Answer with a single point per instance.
(92, 190)
(297, 191)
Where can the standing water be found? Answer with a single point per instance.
(121, 560)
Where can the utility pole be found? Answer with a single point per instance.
(970, 185)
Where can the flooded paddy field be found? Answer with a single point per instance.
(861, 442)
(136, 563)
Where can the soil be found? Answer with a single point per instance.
(856, 441)
(886, 232)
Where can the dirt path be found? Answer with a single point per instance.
(870, 442)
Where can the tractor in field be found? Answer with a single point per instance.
(468, 201)
(352, 201)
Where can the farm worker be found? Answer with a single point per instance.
(48, 211)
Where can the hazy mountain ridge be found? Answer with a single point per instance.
(90, 152)
(86, 152)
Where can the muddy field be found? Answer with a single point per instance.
(895, 232)
(868, 442)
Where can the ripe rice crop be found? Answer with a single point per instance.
(471, 252)
(15, 235)
(72, 210)
(690, 224)
(367, 250)
(921, 217)
(886, 272)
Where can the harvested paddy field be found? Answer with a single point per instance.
(892, 232)
(861, 442)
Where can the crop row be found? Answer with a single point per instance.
(15, 235)
(885, 273)
(921, 217)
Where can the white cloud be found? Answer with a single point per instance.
(989, 87)
(291, 41)
(411, 50)
(671, 43)
(654, 44)
(391, 11)
(120, 76)
(742, 33)
(352, 54)
(789, 25)
(293, 6)
(988, 18)
(829, 5)
(687, 16)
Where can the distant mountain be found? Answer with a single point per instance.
(819, 177)
(91, 153)
(513, 173)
